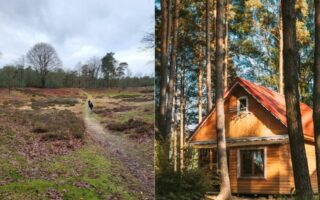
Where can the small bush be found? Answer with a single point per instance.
(40, 128)
(192, 184)
(56, 125)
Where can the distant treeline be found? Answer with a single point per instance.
(15, 77)
(43, 68)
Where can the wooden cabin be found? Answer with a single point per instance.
(257, 141)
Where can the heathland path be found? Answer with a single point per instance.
(125, 153)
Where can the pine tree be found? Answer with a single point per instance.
(296, 139)
(316, 87)
(225, 190)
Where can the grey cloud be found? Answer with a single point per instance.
(78, 29)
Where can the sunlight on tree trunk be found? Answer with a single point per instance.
(280, 51)
(208, 58)
(200, 77)
(225, 59)
(182, 72)
(225, 191)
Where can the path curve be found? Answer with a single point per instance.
(122, 150)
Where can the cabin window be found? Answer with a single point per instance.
(252, 163)
(242, 104)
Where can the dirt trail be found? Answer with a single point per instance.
(124, 151)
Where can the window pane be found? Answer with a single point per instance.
(243, 105)
(252, 163)
(246, 163)
(258, 160)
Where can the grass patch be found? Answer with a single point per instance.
(125, 96)
(94, 180)
(15, 103)
(138, 126)
(40, 103)
(51, 125)
(30, 92)
(58, 125)
(82, 174)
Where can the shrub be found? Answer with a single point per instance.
(58, 125)
(192, 184)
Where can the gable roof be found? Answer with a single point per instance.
(272, 101)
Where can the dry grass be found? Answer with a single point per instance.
(43, 103)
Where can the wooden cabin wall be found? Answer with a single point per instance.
(259, 121)
(310, 151)
(279, 171)
(270, 185)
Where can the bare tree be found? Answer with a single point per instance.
(148, 41)
(225, 190)
(94, 64)
(316, 88)
(78, 69)
(43, 57)
(296, 139)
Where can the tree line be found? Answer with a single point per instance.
(201, 46)
(42, 67)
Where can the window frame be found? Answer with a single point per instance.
(264, 163)
(238, 105)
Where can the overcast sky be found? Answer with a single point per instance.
(78, 30)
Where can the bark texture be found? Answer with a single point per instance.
(225, 191)
(316, 88)
(280, 51)
(164, 66)
(200, 77)
(296, 139)
(208, 58)
(225, 59)
(175, 121)
(172, 66)
(182, 112)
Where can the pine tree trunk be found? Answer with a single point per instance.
(175, 121)
(316, 88)
(296, 139)
(200, 77)
(182, 112)
(164, 65)
(173, 65)
(169, 12)
(208, 58)
(225, 59)
(225, 191)
(280, 51)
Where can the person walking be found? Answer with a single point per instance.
(90, 104)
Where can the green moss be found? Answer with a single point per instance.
(87, 165)
(95, 170)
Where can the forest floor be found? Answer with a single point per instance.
(53, 147)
